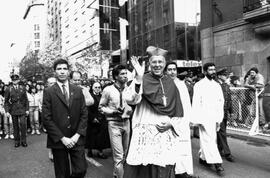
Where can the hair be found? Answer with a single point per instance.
(116, 70)
(170, 63)
(255, 69)
(207, 65)
(72, 73)
(60, 61)
(233, 79)
(32, 87)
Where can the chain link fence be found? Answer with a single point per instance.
(245, 111)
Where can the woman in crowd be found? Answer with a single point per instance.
(97, 136)
(7, 119)
(33, 99)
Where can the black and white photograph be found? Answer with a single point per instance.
(135, 89)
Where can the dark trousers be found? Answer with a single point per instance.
(63, 158)
(149, 171)
(223, 146)
(19, 127)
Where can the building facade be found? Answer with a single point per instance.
(160, 23)
(35, 18)
(88, 25)
(54, 31)
(235, 34)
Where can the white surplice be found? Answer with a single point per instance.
(207, 110)
(148, 145)
(185, 162)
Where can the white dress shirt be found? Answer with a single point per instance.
(66, 86)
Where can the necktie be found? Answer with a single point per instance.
(65, 94)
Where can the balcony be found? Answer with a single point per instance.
(256, 11)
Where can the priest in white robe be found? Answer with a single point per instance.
(184, 165)
(207, 110)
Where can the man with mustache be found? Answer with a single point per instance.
(207, 109)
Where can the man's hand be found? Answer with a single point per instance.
(67, 142)
(75, 138)
(138, 68)
(8, 114)
(95, 120)
(163, 126)
(27, 113)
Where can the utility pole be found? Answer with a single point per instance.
(186, 43)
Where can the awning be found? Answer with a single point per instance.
(190, 63)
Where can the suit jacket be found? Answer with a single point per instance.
(16, 102)
(61, 119)
(227, 96)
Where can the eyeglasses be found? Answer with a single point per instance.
(97, 87)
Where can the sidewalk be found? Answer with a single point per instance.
(245, 136)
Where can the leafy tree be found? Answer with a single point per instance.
(30, 67)
(90, 57)
(50, 53)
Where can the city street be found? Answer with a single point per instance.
(252, 160)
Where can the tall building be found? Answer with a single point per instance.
(35, 17)
(54, 31)
(165, 24)
(235, 34)
(89, 23)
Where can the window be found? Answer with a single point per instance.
(37, 44)
(36, 35)
(36, 27)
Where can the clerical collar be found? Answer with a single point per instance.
(157, 76)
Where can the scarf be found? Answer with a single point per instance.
(162, 95)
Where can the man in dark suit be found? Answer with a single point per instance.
(65, 119)
(223, 146)
(16, 105)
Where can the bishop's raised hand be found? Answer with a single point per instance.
(139, 68)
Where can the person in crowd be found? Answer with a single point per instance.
(34, 104)
(266, 107)
(208, 113)
(76, 79)
(255, 81)
(40, 89)
(184, 166)
(190, 84)
(117, 113)
(2, 115)
(65, 119)
(237, 101)
(27, 88)
(97, 136)
(50, 82)
(223, 147)
(7, 120)
(17, 105)
(235, 81)
(153, 150)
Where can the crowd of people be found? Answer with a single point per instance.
(145, 121)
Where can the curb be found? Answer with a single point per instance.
(244, 136)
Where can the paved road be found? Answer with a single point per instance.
(252, 161)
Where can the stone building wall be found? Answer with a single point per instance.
(236, 46)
